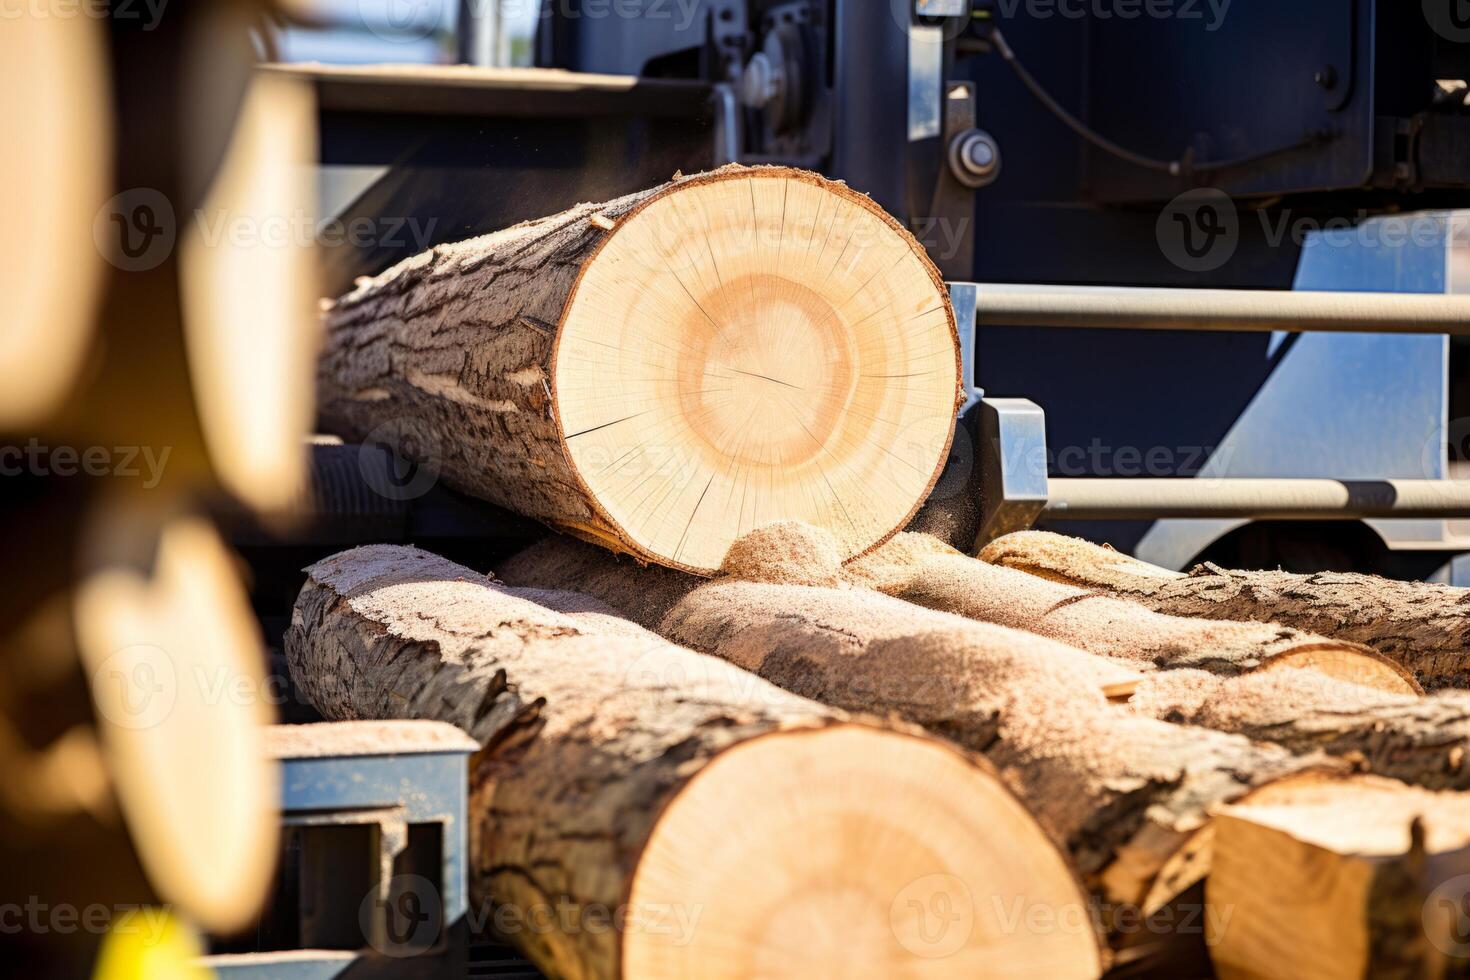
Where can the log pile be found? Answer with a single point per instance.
(1422, 626)
(733, 688)
(1125, 795)
(717, 819)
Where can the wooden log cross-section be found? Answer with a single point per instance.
(664, 372)
(1129, 797)
(923, 570)
(1421, 625)
(1330, 878)
(725, 828)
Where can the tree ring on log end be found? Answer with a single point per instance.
(752, 346)
(853, 852)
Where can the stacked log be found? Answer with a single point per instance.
(729, 379)
(722, 826)
(1422, 626)
(1422, 741)
(923, 570)
(664, 372)
(1127, 796)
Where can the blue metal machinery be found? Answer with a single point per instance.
(1370, 410)
(372, 878)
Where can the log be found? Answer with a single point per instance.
(1418, 740)
(663, 372)
(1128, 797)
(1332, 879)
(175, 659)
(1422, 626)
(727, 828)
(924, 570)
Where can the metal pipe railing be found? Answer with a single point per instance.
(1221, 309)
(1264, 500)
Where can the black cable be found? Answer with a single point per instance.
(1173, 168)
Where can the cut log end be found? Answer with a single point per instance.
(752, 346)
(1332, 877)
(1350, 664)
(857, 852)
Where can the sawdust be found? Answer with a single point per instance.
(876, 653)
(785, 553)
(590, 614)
(1362, 815)
(364, 738)
(891, 567)
(1059, 557)
(1103, 781)
(642, 594)
(1255, 701)
(924, 571)
(1422, 627)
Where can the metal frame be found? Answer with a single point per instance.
(1256, 310)
(410, 773)
(1351, 424)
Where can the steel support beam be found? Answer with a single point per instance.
(1264, 500)
(1120, 307)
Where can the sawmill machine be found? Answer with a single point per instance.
(1209, 262)
(1146, 263)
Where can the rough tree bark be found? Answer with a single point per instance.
(707, 814)
(664, 371)
(1422, 626)
(923, 570)
(1421, 741)
(1127, 796)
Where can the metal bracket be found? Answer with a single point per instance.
(962, 298)
(941, 8)
(354, 794)
(1013, 466)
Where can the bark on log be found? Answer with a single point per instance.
(1422, 626)
(662, 372)
(1344, 704)
(743, 830)
(1126, 796)
(1333, 879)
(923, 570)
(1421, 741)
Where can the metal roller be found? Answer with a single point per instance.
(1121, 307)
